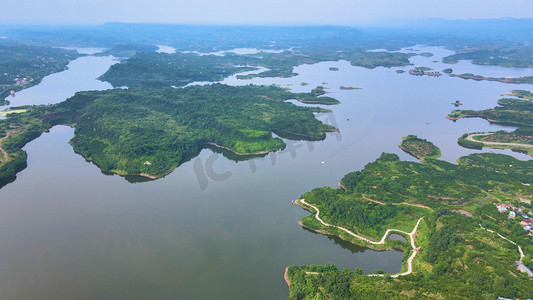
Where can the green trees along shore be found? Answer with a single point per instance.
(153, 128)
(459, 251)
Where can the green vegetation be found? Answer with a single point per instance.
(11, 111)
(128, 50)
(348, 88)
(312, 97)
(524, 79)
(511, 111)
(153, 128)
(522, 94)
(358, 214)
(447, 71)
(179, 69)
(173, 69)
(464, 142)
(333, 68)
(521, 140)
(457, 257)
(419, 148)
(16, 130)
(511, 56)
(25, 66)
(522, 135)
(426, 54)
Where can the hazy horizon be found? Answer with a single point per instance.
(240, 12)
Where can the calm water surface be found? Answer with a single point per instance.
(80, 76)
(215, 228)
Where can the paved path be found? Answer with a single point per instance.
(381, 242)
(471, 138)
(401, 203)
(519, 248)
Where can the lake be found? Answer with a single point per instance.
(216, 228)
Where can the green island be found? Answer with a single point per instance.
(426, 54)
(25, 66)
(315, 96)
(151, 129)
(419, 148)
(447, 71)
(511, 56)
(511, 111)
(333, 68)
(516, 112)
(348, 88)
(523, 79)
(459, 245)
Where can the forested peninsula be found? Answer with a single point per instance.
(511, 111)
(180, 69)
(461, 248)
(24, 66)
(151, 129)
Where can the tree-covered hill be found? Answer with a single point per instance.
(459, 253)
(153, 128)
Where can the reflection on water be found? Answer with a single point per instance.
(344, 244)
(216, 228)
(397, 237)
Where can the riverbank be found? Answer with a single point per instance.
(367, 241)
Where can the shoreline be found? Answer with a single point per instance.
(412, 234)
(286, 277)
(503, 80)
(488, 144)
(242, 154)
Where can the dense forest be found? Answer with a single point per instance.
(419, 148)
(180, 69)
(153, 128)
(173, 69)
(457, 257)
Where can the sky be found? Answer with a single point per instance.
(334, 12)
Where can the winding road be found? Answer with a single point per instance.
(519, 248)
(381, 242)
(6, 155)
(471, 138)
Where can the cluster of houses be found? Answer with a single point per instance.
(421, 71)
(527, 221)
(21, 81)
(522, 268)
